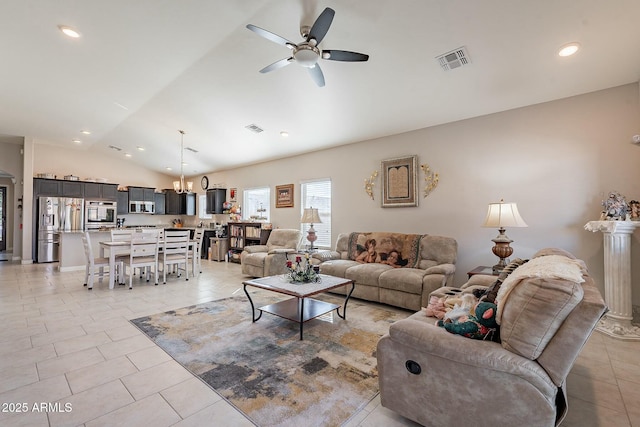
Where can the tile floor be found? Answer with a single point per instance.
(73, 354)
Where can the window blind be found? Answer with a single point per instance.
(317, 194)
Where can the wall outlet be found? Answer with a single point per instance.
(636, 139)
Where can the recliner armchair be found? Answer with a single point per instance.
(270, 259)
(440, 379)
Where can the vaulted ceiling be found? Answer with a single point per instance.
(144, 69)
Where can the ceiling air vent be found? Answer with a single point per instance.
(193, 150)
(113, 147)
(254, 128)
(454, 59)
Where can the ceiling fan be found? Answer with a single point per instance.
(307, 53)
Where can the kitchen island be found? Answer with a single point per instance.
(71, 254)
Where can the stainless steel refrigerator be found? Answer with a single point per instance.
(55, 215)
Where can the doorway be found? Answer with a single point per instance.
(3, 219)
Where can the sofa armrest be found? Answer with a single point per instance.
(446, 269)
(326, 255)
(252, 249)
(281, 251)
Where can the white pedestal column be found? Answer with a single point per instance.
(617, 278)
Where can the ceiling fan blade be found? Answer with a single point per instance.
(271, 36)
(277, 64)
(344, 55)
(316, 75)
(321, 26)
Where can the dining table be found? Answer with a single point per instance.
(123, 247)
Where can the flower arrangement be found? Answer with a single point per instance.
(299, 272)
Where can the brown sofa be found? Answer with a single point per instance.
(437, 378)
(429, 263)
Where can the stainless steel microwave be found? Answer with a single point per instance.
(99, 214)
(142, 207)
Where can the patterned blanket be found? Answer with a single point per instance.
(397, 249)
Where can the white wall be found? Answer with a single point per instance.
(557, 160)
(86, 164)
(11, 164)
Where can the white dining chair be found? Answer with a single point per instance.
(95, 265)
(143, 254)
(194, 254)
(175, 252)
(120, 235)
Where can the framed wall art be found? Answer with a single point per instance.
(399, 182)
(284, 196)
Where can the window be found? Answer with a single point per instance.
(317, 194)
(255, 204)
(202, 207)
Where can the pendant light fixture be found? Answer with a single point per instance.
(179, 186)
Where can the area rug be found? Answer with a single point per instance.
(263, 368)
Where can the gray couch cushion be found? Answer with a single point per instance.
(367, 273)
(337, 267)
(403, 279)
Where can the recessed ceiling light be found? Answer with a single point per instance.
(69, 31)
(77, 141)
(168, 168)
(127, 155)
(569, 49)
(140, 148)
(86, 132)
(284, 134)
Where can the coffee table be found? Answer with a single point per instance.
(301, 307)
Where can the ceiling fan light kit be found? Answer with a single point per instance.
(307, 53)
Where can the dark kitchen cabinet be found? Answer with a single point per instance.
(216, 197)
(123, 202)
(72, 189)
(180, 204)
(160, 200)
(110, 192)
(136, 194)
(141, 194)
(47, 187)
(92, 190)
(96, 191)
(172, 203)
(148, 194)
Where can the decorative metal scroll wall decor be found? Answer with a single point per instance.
(431, 179)
(369, 183)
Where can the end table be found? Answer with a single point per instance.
(482, 269)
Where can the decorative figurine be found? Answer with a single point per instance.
(634, 208)
(615, 208)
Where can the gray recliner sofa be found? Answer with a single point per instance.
(437, 378)
(429, 263)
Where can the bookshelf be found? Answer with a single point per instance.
(243, 234)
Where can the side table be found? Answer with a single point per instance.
(482, 269)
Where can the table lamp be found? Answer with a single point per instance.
(311, 216)
(502, 215)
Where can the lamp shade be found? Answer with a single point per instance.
(503, 215)
(310, 216)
